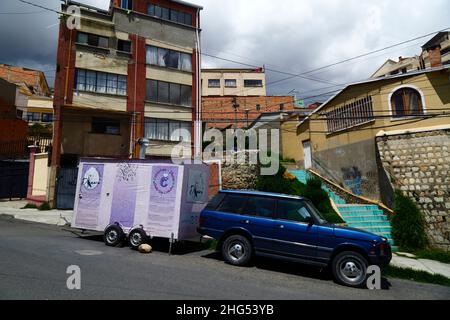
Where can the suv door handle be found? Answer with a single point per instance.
(281, 226)
(246, 221)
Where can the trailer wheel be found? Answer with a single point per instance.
(136, 238)
(113, 236)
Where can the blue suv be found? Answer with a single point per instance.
(287, 227)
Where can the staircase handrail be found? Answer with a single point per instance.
(375, 202)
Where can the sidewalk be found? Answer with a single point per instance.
(53, 217)
(430, 266)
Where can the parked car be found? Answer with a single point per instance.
(287, 227)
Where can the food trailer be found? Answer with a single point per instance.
(140, 199)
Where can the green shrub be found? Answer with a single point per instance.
(408, 224)
(312, 191)
(30, 206)
(45, 207)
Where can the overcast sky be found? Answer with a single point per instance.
(292, 36)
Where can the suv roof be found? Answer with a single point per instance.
(264, 194)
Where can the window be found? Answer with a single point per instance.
(169, 58)
(263, 207)
(258, 107)
(281, 106)
(214, 83)
(92, 40)
(33, 117)
(105, 126)
(293, 210)
(100, 82)
(215, 201)
(186, 62)
(124, 46)
(253, 83)
(169, 14)
(165, 92)
(47, 117)
(230, 83)
(350, 115)
(165, 130)
(232, 204)
(126, 4)
(406, 102)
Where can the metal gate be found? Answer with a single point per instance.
(14, 178)
(67, 185)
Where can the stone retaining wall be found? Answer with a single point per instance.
(419, 164)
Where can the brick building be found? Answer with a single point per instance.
(241, 112)
(130, 72)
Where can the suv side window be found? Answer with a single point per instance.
(293, 210)
(260, 206)
(214, 202)
(232, 204)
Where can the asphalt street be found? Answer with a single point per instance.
(35, 257)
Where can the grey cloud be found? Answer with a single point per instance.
(289, 35)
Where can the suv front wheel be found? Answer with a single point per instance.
(237, 250)
(350, 269)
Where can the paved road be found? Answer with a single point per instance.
(34, 259)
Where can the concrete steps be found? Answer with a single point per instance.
(365, 217)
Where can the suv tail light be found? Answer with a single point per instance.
(202, 221)
(383, 249)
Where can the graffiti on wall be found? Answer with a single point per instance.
(353, 180)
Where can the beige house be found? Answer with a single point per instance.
(404, 65)
(233, 82)
(338, 139)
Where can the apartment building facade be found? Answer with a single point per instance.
(233, 82)
(128, 73)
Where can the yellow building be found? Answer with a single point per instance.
(339, 138)
(233, 82)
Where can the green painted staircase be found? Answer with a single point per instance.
(365, 217)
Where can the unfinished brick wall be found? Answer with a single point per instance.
(218, 112)
(419, 164)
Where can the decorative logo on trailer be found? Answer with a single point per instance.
(164, 181)
(126, 172)
(91, 179)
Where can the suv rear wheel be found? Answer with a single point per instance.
(237, 250)
(350, 269)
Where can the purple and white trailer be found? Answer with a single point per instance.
(140, 199)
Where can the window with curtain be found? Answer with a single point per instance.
(214, 83)
(230, 83)
(406, 102)
(100, 82)
(169, 58)
(172, 93)
(91, 79)
(166, 130)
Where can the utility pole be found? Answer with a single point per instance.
(236, 107)
(246, 114)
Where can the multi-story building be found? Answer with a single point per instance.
(127, 73)
(233, 82)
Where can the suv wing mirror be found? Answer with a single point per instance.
(309, 220)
